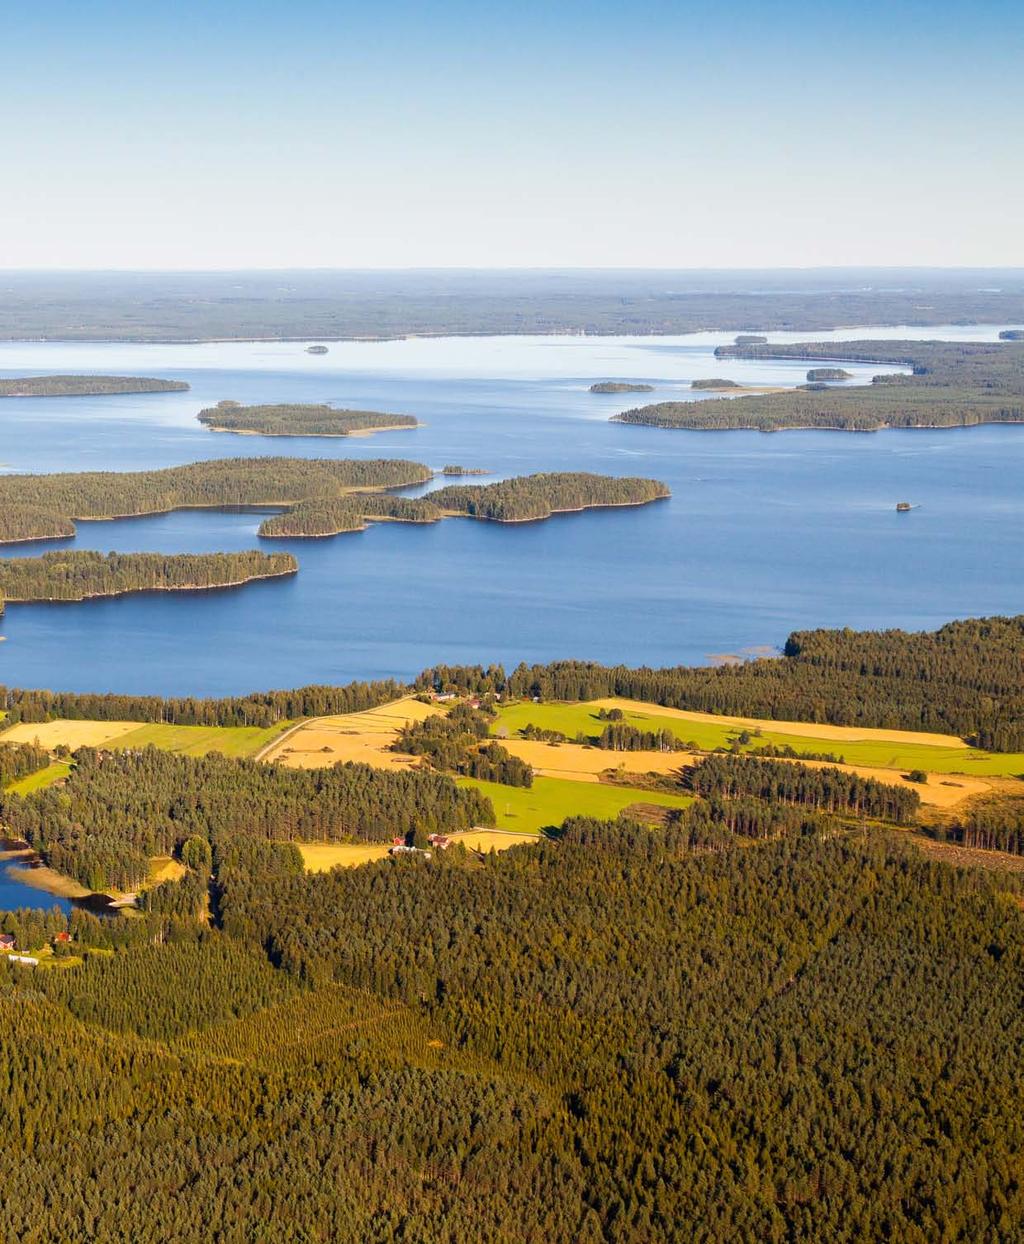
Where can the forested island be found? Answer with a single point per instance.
(316, 349)
(451, 468)
(951, 385)
(85, 386)
(620, 386)
(300, 420)
(828, 373)
(529, 497)
(77, 575)
(715, 382)
(45, 507)
(520, 499)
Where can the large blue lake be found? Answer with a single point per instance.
(763, 533)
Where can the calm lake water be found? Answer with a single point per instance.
(763, 533)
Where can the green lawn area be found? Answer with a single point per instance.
(708, 734)
(550, 800)
(198, 740)
(42, 778)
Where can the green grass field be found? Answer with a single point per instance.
(198, 740)
(550, 800)
(709, 734)
(41, 778)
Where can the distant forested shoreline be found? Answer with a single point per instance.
(85, 386)
(965, 679)
(951, 385)
(335, 305)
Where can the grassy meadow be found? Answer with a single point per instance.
(551, 800)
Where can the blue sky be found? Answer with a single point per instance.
(315, 134)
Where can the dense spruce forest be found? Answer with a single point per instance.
(85, 386)
(823, 789)
(119, 808)
(528, 497)
(610, 1038)
(966, 679)
(77, 574)
(331, 517)
(952, 385)
(299, 420)
(44, 506)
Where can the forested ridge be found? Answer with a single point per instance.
(44, 506)
(952, 385)
(966, 679)
(85, 386)
(76, 574)
(299, 419)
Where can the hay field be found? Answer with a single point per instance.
(73, 734)
(364, 737)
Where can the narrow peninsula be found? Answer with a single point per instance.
(300, 420)
(85, 386)
(46, 507)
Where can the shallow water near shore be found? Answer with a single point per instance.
(763, 534)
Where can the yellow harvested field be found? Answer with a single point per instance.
(363, 737)
(163, 868)
(491, 839)
(321, 857)
(942, 790)
(73, 734)
(807, 730)
(584, 764)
